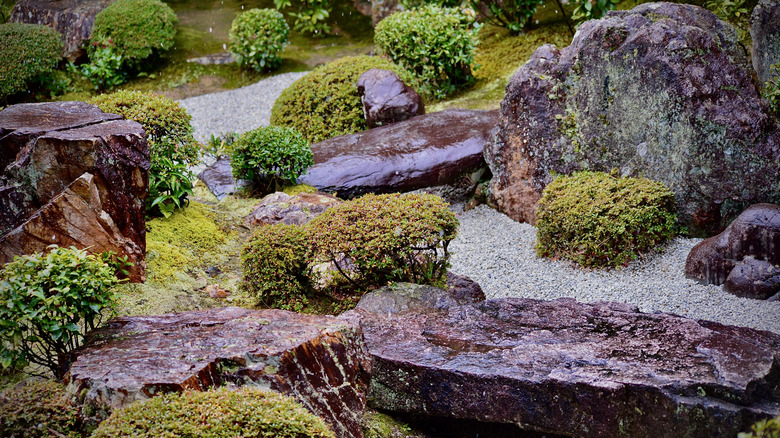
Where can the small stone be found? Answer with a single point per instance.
(387, 99)
(215, 291)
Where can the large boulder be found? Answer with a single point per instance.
(428, 150)
(319, 360)
(765, 33)
(73, 175)
(663, 91)
(571, 369)
(72, 18)
(745, 256)
(386, 99)
(287, 209)
(218, 177)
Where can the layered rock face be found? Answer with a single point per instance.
(299, 209)
(72, 18)
(745, 257)
(319, 360)
(386, 99)
(424, 151)
(73, 176)
(765, 33)
(663, 91)
(569, 368)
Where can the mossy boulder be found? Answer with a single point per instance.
(664, 91)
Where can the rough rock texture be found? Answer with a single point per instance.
(428, 150)
(73, 175)
(319, 360)
(218, 177)
(71, 18)
(664, 91)
(464, 289)
(299, 209)
(386, 99)
(765, 33)
(753, 236)
(563, 367)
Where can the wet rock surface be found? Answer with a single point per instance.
(663, 91)
(424, 151)
(218, 177)
(745, 256)
(298, 209)
(44, 150)
(386, 99)
(319, 360)
(765, 33)
(71, 18)
(574, 369)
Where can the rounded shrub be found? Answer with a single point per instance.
(257, 36)
(599, 219)
(27, 51)
(246, 412)
(377, 239)
(271, 155)
(47, 302)
(325, 102)
(277, 262)
(436, 44)
(39, 409)
(136, 29)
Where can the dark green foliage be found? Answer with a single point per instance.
(592, 9)
(271, 156)
(436, 44)
(310, 15)
(764, 429)
(171, 144)
(511, 14)
(325, 102)
(247, 412)
(47, 302)
(104, 69)
(27, 51)
(277, 262)
(257, 36)
(597, 219)
(377, 239)
(771, 91)
(37, 409)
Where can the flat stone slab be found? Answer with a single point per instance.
(569, 368)
(319, 360)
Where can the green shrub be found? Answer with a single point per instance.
(37, 409)
(171, 143)
(435, 44)
(246, 412)
(376, 239)
(592, 10)
(104, 69)
(771, 91)
(325, 102)
(27, 51)
(136, 28)
(511, 14)
(763, 429)
(310, 16)
(47, 302)
(257, 36)
(598, 219)
(271, 156)
(277, 263)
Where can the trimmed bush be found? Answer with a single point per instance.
(171, 143)
(47, 302)
(436, 44)
(377, 239)
(277, 263)
(325, 102)
(257, 36)
(246, 412)
(36, 409)
(271, 156)
(763, 429)
(27, 51)
(599, 219)
(136, 29)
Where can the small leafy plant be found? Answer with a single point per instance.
(257, 36)
(47, 303)
(39, 409)
(592, 9)
(271, 156)
(27, 52)
(311, 15)
(771, 91)
(104, 69)
(514, 15)
(727, 9)
(763, 429)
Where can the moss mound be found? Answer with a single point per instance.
(27, 51)
(37, 409)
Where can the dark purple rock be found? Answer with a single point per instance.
(753, 278)
(575, 369)
(424, 151)
(319, 360)
(299, 209)
(386, 99)
(219, 178)
(765, 33)
(464, 289)
(663, 91)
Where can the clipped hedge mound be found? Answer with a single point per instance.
(325, 102)
(222, 413)
(599, 219)
(257, 36)
(27, 51)
(37, 410)
(271, 156)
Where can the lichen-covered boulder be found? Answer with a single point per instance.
(297, 209)
(765, 33)
(663, 91)
(386, 99)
